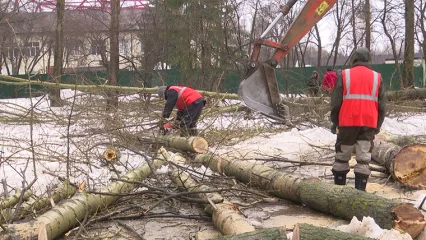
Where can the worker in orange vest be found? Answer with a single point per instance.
(357, 113)
(189, 104)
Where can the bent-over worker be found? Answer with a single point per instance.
(189, 104)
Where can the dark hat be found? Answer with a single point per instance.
(361, 54)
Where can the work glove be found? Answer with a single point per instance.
(333, 129)
(376, 131)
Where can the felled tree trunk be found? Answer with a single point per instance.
(278, 233)
(407, 165)
(311, 232)
(63, 217)
(341, 201)
(187, 144)
(65, 190)
(407, 94)
(225, 216)
(14, 199)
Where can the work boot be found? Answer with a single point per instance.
(340, 177)
(361, 181)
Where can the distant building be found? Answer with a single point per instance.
(30, 45)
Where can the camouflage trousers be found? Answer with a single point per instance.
(349, 139)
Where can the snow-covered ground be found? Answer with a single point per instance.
(44, 143)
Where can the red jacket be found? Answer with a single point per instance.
(360, 97)
(329, 81)
(186, 96)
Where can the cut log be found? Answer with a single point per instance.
(341, 201)
(277, 233)
(187, 144)
(63, 217)
(226, 217)
(14, 199)
(407, 165)
(311, 232)
(112, 154)
(64, 191)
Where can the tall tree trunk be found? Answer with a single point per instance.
(367, 24)
(422, 19)
(392, 42)
(55, 95)
(353, 23)
(319, 47)
(339, 32)
(409, 44)
(112, 101)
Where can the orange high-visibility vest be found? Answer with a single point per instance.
(186, 96)
(360, 106)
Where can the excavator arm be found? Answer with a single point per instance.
(259, 89)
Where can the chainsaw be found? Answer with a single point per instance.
(169, 127)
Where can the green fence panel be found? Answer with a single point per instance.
(290, 81)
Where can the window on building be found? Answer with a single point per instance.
(32, 49)
(98, 47)
(123, 46)
(142, 47)
(11, 53)
(74, 47)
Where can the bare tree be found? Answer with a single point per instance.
(55, 95)
(421, 23)
(367, 10)
(112, 100)
(319, 46)
(408, 79)
(392, 32)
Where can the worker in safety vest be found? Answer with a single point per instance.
(357, 113)
(189, 104)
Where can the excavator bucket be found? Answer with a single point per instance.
(259, 91)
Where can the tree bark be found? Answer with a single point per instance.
(406, 165)
(408, 94)
(55, 96)
(277, 233)
(226, 218)
(311, 232)
(61, 218)
(341, 201)
(367, 24)
(114, 57)
(36, 204)
(187, 144)
(409, 44)
(14, 199)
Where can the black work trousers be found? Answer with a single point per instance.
(189, 116)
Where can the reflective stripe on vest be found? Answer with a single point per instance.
(371, 97)
(181, 92)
